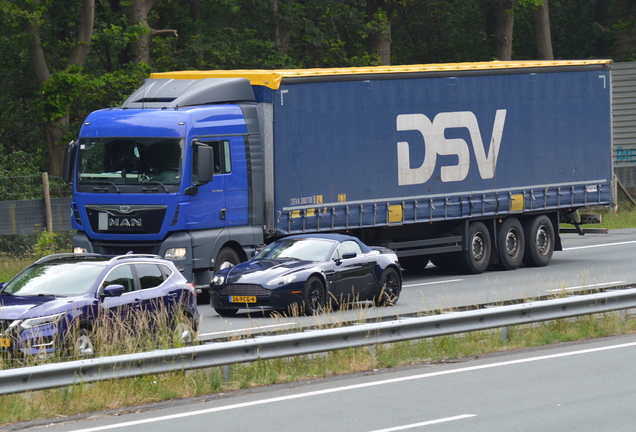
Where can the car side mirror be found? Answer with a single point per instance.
(114, 290)
(349, 255)
(2, 285)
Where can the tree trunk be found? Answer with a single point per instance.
(542, 28)
(505, 25)
(604, 21)
(138, 15)
(379, 43)
(54, 127)
(280, 32)
(626, 30)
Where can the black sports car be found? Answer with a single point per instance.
(306, 273)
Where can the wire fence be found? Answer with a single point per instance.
(29, 203)
(32, 187)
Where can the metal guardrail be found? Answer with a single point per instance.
(308, 342)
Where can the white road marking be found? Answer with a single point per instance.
(576, 288)
(241, 330)
(357, 386)
(600, 245)
(426, 423)
(433, 283)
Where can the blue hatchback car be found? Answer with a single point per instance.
(56, 302)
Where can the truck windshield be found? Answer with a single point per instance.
(130, 160)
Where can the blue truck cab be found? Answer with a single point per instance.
(167, 173)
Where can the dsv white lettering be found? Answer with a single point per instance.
(437, 144)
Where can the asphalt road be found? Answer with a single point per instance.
(593, 260)
(585, 386)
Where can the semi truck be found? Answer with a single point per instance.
(470, 165)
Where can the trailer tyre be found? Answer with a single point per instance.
(539, 234)
(476, 258)
(510, 244)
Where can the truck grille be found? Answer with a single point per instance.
(122, 219)
(245, 290)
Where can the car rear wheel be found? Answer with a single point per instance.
(390, 288)
(314, 296)
(184, 333)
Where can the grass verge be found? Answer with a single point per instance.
(85, 398)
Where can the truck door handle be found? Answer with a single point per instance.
(222, 214)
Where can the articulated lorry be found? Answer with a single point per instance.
(470, 165)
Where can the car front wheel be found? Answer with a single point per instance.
(390, 288)
(314, 296)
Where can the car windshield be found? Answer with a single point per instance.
(55, 279)
(301, 249)
(130, 160)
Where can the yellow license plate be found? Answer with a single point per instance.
(243, 299)
(5, 343)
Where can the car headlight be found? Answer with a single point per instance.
(41, 321)
(175, 254)
(218, 279)
(283, 280)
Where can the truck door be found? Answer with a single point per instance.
(208, 207)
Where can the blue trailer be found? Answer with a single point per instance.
(471, 165)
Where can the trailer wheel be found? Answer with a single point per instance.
(476, 258)
(539, 234)
(510, 244)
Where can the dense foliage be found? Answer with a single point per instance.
(52, 77)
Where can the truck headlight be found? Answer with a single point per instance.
(175, 254)
(78, 249)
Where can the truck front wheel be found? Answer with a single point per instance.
(476, 258)
(539, 234)
(227, 257)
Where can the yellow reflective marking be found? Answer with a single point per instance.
(395, 213)
(516, 202)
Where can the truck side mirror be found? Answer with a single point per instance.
(205, 163)
(69, 162)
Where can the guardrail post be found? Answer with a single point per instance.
(227, 373)
(504, 334)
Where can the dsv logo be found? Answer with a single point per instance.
(437, 144)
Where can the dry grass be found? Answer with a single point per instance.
(83, 398)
